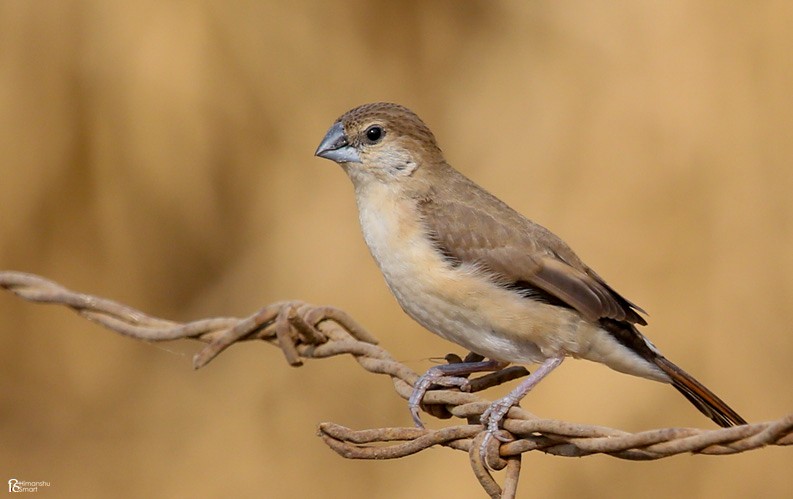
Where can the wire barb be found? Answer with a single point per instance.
(304, 331)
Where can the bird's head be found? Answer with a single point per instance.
(380, 142)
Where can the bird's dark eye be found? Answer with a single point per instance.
(374, 133)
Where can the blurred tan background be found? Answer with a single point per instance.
(160, 153)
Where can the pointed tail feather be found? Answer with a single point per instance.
(702, 398)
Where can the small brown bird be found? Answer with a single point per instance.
(471, 269)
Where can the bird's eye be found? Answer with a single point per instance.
(374, 133)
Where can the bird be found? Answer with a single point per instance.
(469, 268)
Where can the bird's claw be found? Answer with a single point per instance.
(433, 376)
(491, 419)
(446, 375)
(414, 413)
(490, 448)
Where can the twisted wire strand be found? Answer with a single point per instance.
(303, 331)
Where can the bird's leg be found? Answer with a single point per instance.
(446, 375)
(492, 417)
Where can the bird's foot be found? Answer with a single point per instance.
(499, 409)
(448, 375)
(492, 417)
(428, 379)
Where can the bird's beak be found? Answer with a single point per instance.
(336, 147)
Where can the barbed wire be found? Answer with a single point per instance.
(306, 331)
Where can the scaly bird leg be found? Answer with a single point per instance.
(446, 375)
(492, 417)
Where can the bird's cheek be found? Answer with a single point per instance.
(396, 162)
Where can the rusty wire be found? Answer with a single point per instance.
(302, 331)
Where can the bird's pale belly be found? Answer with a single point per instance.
(503, 325)
(467, 327)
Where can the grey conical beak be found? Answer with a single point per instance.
(336, 147)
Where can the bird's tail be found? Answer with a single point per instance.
(702, 398)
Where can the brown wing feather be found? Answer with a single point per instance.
(491, 234)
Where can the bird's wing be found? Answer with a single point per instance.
(521, 254)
